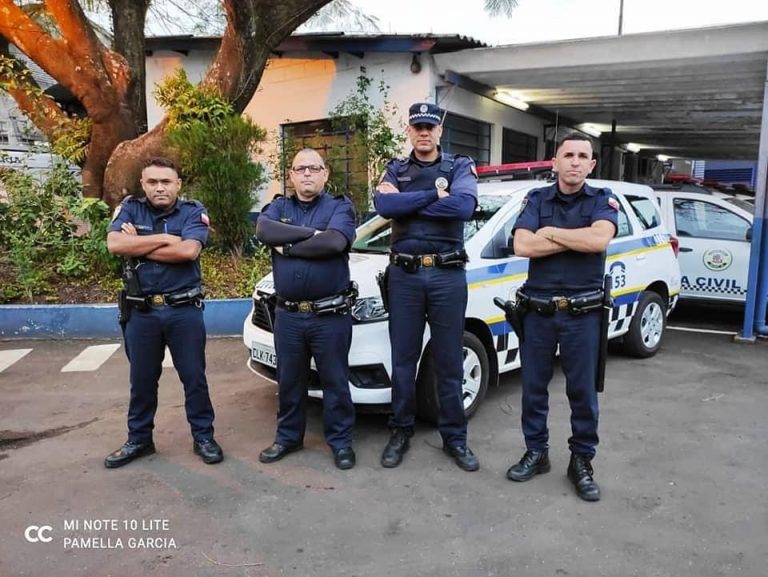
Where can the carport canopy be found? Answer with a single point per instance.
(694, 94)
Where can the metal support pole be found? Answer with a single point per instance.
(757, 283)
(621, 17)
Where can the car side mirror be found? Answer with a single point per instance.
(749, 234)
(511, 245)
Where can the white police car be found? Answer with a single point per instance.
(714, 230)
(641, 261)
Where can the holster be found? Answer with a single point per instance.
(514, 312)
(123, 308)
(382, 279)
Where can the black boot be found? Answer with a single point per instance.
(580, 473)
(532, 463)
(128, 452)
(397, 446)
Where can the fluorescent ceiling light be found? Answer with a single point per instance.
(590, 129)
(632, 147)
(662, 157)
(511, 100)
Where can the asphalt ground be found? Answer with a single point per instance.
(682, 463)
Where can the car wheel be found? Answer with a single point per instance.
(646, 331)
(474, 383)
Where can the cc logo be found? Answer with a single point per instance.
(38, 534)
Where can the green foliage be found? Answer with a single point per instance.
(214, 146)
(372, 140)
(186, 103)
(48, 231)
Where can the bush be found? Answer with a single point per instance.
(47, 231)
(53, 247)
(214, 146)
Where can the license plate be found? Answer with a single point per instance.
(263, 354)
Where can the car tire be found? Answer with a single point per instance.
(475, 382)
(646, 331)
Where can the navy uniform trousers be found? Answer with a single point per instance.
(579, 338)
(438, 296)
(182, 329)
(327, 338)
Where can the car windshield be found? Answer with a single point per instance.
(374, 235)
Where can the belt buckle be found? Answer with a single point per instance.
(158, 300)
(427, 260)
(561, 303)
(305, 307)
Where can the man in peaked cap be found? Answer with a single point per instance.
(428, 195)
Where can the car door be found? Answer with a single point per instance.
(714, 247)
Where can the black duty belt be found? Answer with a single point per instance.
(412, 262)
(191, 296)
(575, 304)
(338, 304)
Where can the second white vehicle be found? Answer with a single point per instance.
(715, 234)
(641, 261)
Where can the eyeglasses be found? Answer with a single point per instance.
(313, 168)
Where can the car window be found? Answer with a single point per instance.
(376, 234)
(623, 227)
(645, 210)
(701, 219)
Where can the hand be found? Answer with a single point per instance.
(128, 228)
(547, 232)
(386, 188)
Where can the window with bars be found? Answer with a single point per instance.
(462, 135)
(336, 141)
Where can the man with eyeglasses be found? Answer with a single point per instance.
(310, 233)
(161, 237)
(428, 195)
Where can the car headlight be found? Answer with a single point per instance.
(369, 310)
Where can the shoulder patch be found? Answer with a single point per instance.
(613, 203)
(524, 203)
(116, 213)
(473, 169)
(204, 219)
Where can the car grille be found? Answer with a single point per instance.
(263, 315)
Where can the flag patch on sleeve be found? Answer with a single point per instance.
(613, 203)
(204, 219)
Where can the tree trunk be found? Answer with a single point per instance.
(128, 20)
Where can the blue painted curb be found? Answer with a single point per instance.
(222, 318)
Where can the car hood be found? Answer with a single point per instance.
(363, 268)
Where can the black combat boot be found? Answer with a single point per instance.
(580, 473)
(397, 446)
(532, 463)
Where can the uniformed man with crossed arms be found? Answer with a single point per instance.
(429, 195)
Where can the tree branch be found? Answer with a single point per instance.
(254, 29)
(50, 54)
(41, 109)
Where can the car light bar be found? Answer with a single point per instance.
(515, 169)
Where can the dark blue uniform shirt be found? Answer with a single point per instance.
(187, 219)
(423, 222)
(299, 279)
(571, 271)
